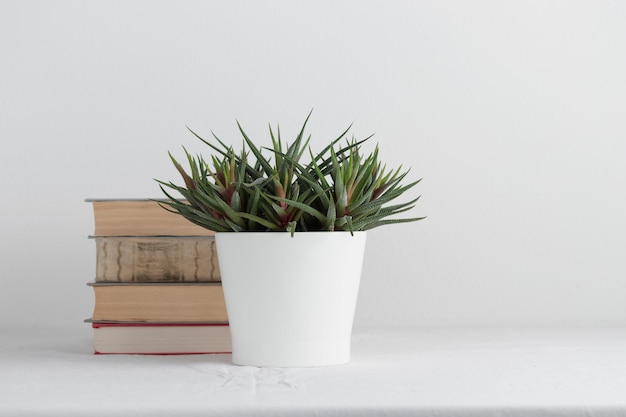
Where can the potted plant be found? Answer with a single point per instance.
(291, 294)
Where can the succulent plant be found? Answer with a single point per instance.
(339, 189)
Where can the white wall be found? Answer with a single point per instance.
(513, 112)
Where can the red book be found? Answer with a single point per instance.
(161, 338)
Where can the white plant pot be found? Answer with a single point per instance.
(291, 300)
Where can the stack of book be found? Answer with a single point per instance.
(158, 286)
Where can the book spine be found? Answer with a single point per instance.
(153, 259)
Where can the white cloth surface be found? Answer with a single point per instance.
(394, 372)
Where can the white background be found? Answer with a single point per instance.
(512, 112)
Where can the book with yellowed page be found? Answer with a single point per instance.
(140, 217)
(159, 302)
(160, 338)
(156, 259)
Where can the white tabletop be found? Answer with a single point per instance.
(394, 372)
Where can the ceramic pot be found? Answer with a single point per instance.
(291, 300)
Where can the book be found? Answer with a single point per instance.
(157, 286)
(159, 302)
(140, 217)
(156, 258)
(160, 338)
